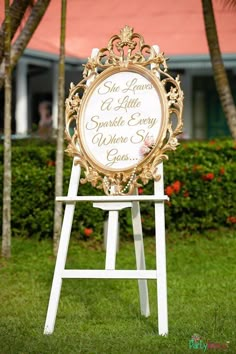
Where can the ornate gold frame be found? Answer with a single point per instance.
(125, 52)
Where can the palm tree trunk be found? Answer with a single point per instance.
(60, 132)
(24, 37)
(17, 11)
(6, 225)
(220, 76)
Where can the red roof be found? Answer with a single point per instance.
(176, 26)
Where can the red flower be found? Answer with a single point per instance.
(51, 163)
(222, 171)
(176, 186)
(140, 190)
(231, 219)
(208, 177)
(186, 194)
(88, 231)
(169, 190)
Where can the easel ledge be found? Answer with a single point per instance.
(113, 198)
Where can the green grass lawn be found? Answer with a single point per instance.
(102, 316)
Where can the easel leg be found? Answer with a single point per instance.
(112, 233)
(140, 258)
(62, 252)
(60, 265)
(161, 269)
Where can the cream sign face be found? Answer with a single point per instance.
(121, 119)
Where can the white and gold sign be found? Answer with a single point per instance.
(124, 115)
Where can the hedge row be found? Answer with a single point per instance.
(200, 178)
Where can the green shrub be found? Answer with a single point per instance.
(206, 197)
(200, 178)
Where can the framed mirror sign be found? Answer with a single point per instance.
(124, 116)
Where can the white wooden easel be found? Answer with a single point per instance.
(113, 204)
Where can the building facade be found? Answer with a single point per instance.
(177, 27)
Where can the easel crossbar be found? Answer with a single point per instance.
(113, 198)
(109, 274)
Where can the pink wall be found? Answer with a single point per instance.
(175, 25)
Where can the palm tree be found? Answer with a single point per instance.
(10, 59)
(60, 131)
(6, 227)
(220, 76)
(25, 35)
(17, 11)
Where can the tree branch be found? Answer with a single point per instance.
(17, 11)
(24, 37)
